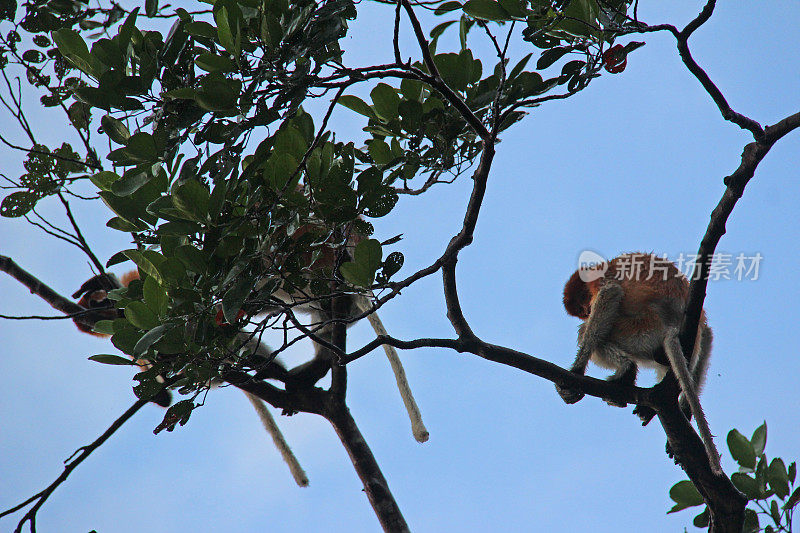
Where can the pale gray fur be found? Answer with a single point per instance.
(418, 428)
(269, 424)
(672, 346)
(598, 325)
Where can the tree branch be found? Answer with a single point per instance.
(70, 465)
(38, 288)
(375, 485)
(751, 156)
(682, 39)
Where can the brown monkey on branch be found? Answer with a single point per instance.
(632, 307)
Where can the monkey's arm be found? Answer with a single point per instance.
(594, 332)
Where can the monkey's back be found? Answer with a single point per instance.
(655, 293)
(646, 278)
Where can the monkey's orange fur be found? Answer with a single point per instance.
(646, 280)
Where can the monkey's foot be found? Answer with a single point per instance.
(569, 395)
(644, 413)
(671, 454)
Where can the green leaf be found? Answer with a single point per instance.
(793, 500)
(145, 262)
(149, 338)
(519, 67)
(141, 147)
(703, 519)
(279, 169)
(751, 524)
(130, 183)
(177, 414)
(116, 259)
(214, 63)
(228, 35)
(454, 70)
(759, 439)
(192, 258)
(437, 31)
(486, 10)
(234, 298)
(777, 478)
(151, 7)
(516, 8)
(394, 262)
(148, 384)
(192, 198)
(355, 274)
(128, 210)
(369, 253)
(447, 7)
(126, 30)
(72, 47)
(104, 179)
(552, 55)
(8, 9)
(380, 151)
(741, 449)
(358, 105)
(178, 227)
(115, 129)
(154, 296)
(172, 271)
(775, 512)
(367, 259)
(217, 93)
(138, 314)
(289, 140)
(580, 17)
(201, 29)
(746, 484)
(120, 224)
(685, 495)
(184, 93)
(18, 203)
(108, 359)
(105, 327)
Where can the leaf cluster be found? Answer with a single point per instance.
(768, 485)
(231, 190)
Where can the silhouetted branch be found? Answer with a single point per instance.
(70, 464)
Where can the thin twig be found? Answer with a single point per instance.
(86, 451)
(84, 245)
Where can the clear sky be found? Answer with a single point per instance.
(635, 162)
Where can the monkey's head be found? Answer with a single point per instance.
(93, 295)
(577, 297)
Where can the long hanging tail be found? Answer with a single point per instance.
(417, 427)
(677, 361)
(297, 471)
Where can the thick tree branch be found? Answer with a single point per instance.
(751, 157)
(38, 288)
(306, 400)
(375, 485)
(725, 502)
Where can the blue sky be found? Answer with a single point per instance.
(633, 163)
